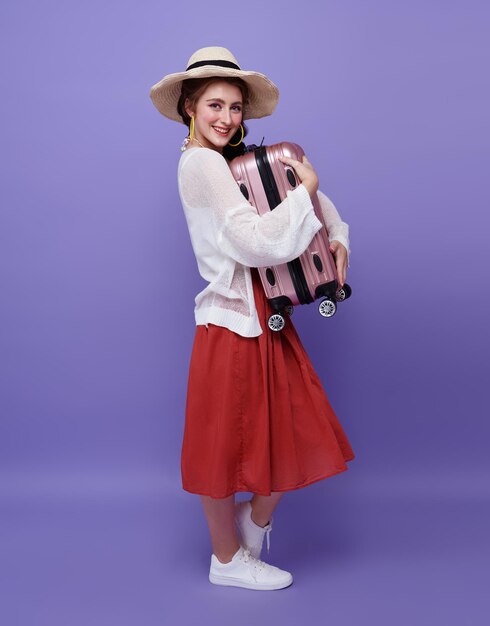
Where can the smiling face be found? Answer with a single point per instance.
(217, 115)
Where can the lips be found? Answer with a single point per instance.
(221, 131)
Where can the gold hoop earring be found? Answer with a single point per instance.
(191, 129)
(237, 144)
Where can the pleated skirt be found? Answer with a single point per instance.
(257, 417)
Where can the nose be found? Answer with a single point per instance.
(226, 117)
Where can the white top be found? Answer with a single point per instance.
(229, 237)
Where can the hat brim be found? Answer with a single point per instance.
(264, 94)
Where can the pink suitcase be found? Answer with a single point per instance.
(264, 181)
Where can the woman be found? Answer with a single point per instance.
(257, 418)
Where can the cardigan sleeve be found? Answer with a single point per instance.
(206, 183)
(337, 229)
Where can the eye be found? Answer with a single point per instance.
(237, 107)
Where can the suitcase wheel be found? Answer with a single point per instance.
(327, 307)
(343, 293)
(289, 309)
(276, 322)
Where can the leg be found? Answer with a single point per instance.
(220, 515)
(263, 506)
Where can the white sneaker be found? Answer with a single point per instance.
(246, 571)
(251, 534)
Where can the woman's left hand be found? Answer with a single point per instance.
(339, 252)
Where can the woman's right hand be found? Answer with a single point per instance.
(305, 171)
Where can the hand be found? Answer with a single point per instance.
(305, 171)
(340, 254)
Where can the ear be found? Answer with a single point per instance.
(187, 108)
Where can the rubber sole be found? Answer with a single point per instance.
(236, 582)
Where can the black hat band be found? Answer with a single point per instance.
(219, 63)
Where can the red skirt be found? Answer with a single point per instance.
(257, 418)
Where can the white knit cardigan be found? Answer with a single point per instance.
(229, 237)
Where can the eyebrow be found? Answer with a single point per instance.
(222, 101)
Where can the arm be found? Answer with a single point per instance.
(337, 229)
(281, 235)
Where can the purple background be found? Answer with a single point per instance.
(390, 101)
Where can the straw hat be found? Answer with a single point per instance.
(215, 61)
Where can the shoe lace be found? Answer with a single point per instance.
(267, 536)
(267, 532)
(255, 563)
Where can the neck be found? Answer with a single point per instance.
(220, 150)
(194, 139)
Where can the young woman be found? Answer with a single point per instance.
(257, 418)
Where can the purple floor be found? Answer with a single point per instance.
(135, 551)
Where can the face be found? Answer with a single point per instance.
(219, 107)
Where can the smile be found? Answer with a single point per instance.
(221, 131)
